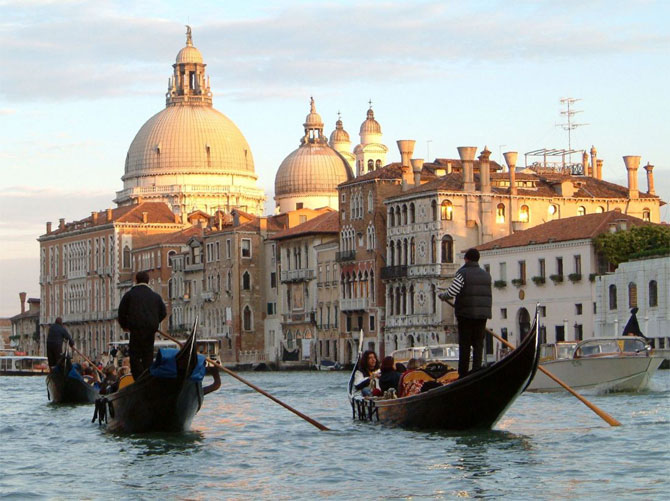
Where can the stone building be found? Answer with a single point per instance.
(5, 333)
(556, 265)
(468, 204)
(25, 327)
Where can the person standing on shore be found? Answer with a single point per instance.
(471, 288)
(57, 334)
(141, 311)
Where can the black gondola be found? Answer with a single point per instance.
(65, 385)
(155, 403)
(476, 401)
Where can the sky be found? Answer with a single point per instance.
(80, 77)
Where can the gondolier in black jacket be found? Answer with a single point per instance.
(141, 311)
(57, 334)
(472, 289)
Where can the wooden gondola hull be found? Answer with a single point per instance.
(66, 390)
(154, 404)
(477, 401)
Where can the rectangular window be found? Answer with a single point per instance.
(218, 251)
(543, 311)
(335, 317)
(560, 333)
(578, 309)
(348, 323)
(578, 264)
(273, 279)
(272, 308)
(522, 271)
(487, 267)
(542, 268)
(246, 247)
(579, 334)
(372, 323)
(228, 249)
(559, 266)
(595, 308)
(503, 271)
(360, 322)
(503, 312)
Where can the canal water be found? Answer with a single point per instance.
(244, 446)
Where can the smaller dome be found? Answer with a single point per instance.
(313, 120)
(370, 125)
(189, 54)
(339, 135)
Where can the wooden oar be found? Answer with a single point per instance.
(89, 361)
(606, 417)
(251, 385)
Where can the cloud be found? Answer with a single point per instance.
(84, 51)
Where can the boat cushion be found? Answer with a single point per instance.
(199, 372)
(165, 365)
(74, 373)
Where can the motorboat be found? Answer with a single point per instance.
(444, 353)
(23, 365)
(611, 364)
(328, 365)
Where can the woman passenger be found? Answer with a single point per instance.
(389, 376)
(367, 374)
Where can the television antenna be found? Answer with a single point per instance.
(569, 112)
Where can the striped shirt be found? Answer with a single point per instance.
(456, 286)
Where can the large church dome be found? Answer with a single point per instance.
(308, 176)
(189, 155)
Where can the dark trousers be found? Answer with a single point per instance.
(471, 333)
(141, 348)
(54, 353)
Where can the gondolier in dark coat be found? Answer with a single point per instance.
(141, 311)
(472, 289)
(57, 334)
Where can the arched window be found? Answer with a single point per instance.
(126, 257)
(612, 291)
(397, 216)
(412, 215)
(646, 214)
(378, 164)
(404, 214)
(433, 299)
(581, 210)
(391, 298)
(412, 251)
(500, 213)
(524, 214)
(246, 319)
(447, 212)
(371, 165)
(447, 249)
(246, 281)
(552, 211)
(391, 217)
(411, 300)
(170, 255)
(391, 255)
(600, 209)
(398, 253)
(433, 209)
(433, 249)
(370, 201)
(405, 257)
(653, 293)
(632, 295)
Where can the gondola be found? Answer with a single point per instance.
(65, 385)
(476, 401)
(164, 398)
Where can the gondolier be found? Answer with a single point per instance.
(57, 334)
(472, 289)
(141, 311)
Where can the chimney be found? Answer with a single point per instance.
(139, 199)
(594, 162)
(585, 163)
(650, 178)
(263, 223)
(599, 169)
(94, 217)
(109, 215)
(485, 170)
(406, 148)
(417, 165)
(510, 160)
(48, 226)
(61, 223)
(22, 298)
(632, 165)
(467, 154)
(145, 217)
(177, 219)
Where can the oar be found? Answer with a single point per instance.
(89, 361)
(251, 385)
(606, 417)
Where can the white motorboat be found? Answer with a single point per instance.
(445, 353)
(23, 365)
(601, 364)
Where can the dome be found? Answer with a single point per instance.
(189, 54)
(313, 168)
(370, 125)
(188, 139)
(339, 135)
(313, 119)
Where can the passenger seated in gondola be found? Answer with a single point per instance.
(408, 385)
(389, 378)
(366, 377)
(89, 374)
(111, 381)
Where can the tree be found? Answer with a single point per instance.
(639, 241)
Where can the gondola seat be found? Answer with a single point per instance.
(126, 380)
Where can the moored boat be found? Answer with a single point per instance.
(165, 398)
(23, 365)
(476, 401)
(600, 364)
(66, 385)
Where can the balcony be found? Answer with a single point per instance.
(207, 295)
(296, 275)
(354, 304)
(348, 255)
(299, 317)
(390, 272)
